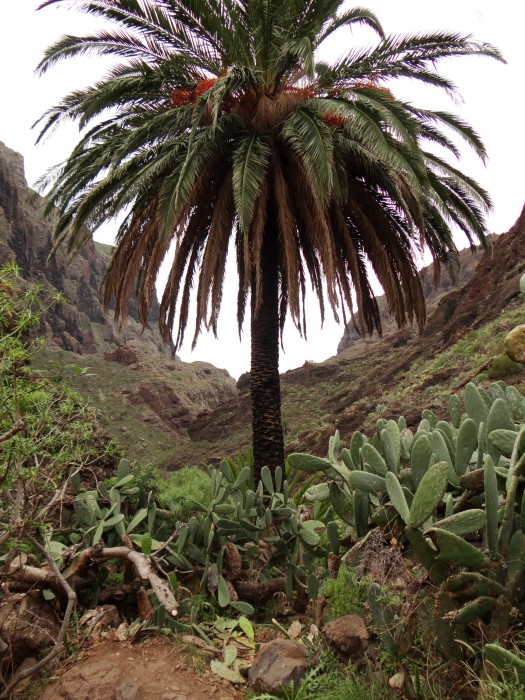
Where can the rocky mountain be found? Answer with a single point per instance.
(468, 261)
(401, 373)
(169, 413)
(147, 398)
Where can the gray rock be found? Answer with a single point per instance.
(277, 664)
(127, 691)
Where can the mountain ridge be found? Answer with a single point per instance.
(169, 413)
(145, 395)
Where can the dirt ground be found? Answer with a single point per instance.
(152, 670)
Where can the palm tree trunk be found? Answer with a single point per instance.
(265, 387)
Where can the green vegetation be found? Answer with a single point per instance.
(345, 594)
(185, 491)
(47, 432)
(502, 366)
(234, 123)
(331, 681)
(441, 485)
(441, 504)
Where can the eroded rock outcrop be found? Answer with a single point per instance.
(78, 324)
(146, 396)
(433, 294)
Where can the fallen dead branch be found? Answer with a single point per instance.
(35, 577)
(141, 564)
(59, 642)
(43, 578)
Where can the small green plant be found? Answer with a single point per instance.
(295, 691)
(502, 366)
(184, 491)
(345, 594)
(331, 681)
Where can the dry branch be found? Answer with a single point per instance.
(48, 579)
(59, 643)
(17, 427)
(141, 564)
(34, 576)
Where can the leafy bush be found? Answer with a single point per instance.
(345, 594)
(46, 429)
(502, 366)
(182, 492)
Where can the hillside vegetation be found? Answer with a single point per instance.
(401, 373)
(392, 524)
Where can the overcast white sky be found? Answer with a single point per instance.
(493, 102)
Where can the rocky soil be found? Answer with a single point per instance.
(153, 670)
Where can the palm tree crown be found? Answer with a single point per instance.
(218, 124)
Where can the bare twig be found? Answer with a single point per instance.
(59, 643)
(17, 427)
(141, 564)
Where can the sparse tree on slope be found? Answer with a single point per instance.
(219, 124)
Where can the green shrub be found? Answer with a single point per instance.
(503, 366)
(182, 490)
(345, 594)
(47, 431)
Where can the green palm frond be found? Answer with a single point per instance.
(464, 130)
(251, 159)
(311, 140)
(217, 119)
(301, 49)
(357, 15)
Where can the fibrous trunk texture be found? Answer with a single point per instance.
(265, 388)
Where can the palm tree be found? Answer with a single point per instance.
(220, 125)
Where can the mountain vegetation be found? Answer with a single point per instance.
(410, 519)
(220, 122)
(380, 552)
(145, 396)
(327, 537)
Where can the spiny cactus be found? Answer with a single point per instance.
(103, 514)
(263, 528)
(457, 491)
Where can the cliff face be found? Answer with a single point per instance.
(433, 295)
(492, 288)
(147, 397)
(78, 324)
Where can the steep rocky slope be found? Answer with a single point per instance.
(402, 373)
(146, 397)
(468, 261)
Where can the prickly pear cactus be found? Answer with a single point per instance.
(456, 490)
